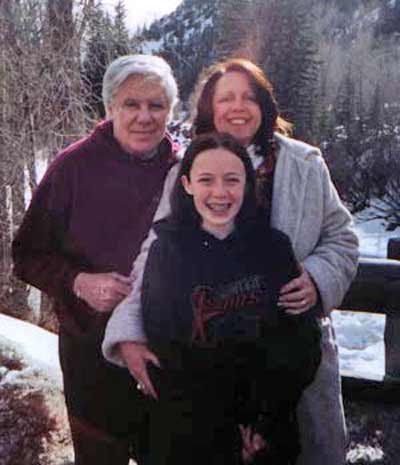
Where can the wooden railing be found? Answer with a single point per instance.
(376, 289)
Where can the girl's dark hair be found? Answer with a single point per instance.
(271, 121)
(183, 210)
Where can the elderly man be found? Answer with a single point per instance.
(79, 237)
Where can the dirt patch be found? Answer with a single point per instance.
(33, 423)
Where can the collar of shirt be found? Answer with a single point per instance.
(255, 157)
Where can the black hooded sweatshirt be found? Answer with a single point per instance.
(201, 291)
(210, 313)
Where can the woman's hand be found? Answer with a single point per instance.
(252, 443)
(136, 356)
(299, 294)
(102, 291)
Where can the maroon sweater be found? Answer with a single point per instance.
(90, 213)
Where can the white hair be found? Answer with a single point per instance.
(139, 65)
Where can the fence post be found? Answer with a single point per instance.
(393, 248)
(392, 338)
(392, 327)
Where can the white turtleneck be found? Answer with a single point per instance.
(255, 158)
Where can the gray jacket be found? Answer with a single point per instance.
(305, 206)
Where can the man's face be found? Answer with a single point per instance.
(139, 112)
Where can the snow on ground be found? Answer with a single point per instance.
(360, 335)
(360, 340)
(373, 237)
(38, 347)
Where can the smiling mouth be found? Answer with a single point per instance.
(142, 133)
(219, 207)
(238, 121)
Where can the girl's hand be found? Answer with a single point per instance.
(136, 356)
(299, 294)
(252, 443)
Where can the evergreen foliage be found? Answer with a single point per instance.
(390, 18)
(384, 143)
(107, 39)
(234, 20)
(289, 56)
(97, 56)
(350, 172)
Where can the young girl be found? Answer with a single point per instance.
(229, 354)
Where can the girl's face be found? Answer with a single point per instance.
(235, 107)
(217, 183)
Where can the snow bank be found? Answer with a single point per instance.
(35, 345)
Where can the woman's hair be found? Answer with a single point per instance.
(139, 65)
(271, 121)
(183, 210)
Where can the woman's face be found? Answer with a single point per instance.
(217, 183)
(235, 107)
(139, 112)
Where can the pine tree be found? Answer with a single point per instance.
(379, 139)
(390, 18)
(349, 150)
(288, 53)
(120, 36)
(107, 39)
(233, 23)
(383, 123)
(97, 56)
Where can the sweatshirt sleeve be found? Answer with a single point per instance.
(126, 322)
(39, 247)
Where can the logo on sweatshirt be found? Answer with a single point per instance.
(219, 306)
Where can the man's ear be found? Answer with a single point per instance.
(110, 111)
(186, 184)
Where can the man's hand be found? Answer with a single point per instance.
(299, 294)
(102, 291)
(136, 356)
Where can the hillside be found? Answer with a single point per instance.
(185, 39)
(188, 37)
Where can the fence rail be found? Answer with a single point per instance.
(376, 289)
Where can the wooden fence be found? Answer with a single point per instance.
(376, 289)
